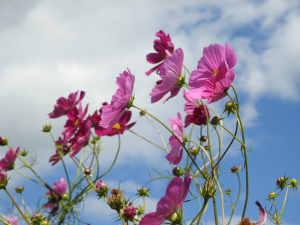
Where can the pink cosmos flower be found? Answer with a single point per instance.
(112, 112)
(129, 212)
(66, 147)
(160, 46)
(118, 128)
(169, 204)
(60, 187)
(75, 118)
(214, 73)
(171, 78)
(63, 105)
(262, 214)
(8, 162)
(195, 114)
(13, 220)
(176, 152)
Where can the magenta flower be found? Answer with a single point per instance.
(262, 214)
(63, 105)
(168, 205)
(176, 152)
(60, 187)
(160, 45)
(75, 118)
(112, 112)
(171, 78)
(195, 114)
(8, 162)
(65, 148)
(100, 184)
(118, 128)
(13, 220)
(214, 73)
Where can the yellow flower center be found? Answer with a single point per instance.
(215, 72)
(116, 127)
(76, 122)
(216, 89)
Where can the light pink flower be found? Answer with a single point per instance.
(160, 45)
(214, 73)
(8, 162)
(195, 114)
(169, 204)
(112, 112)
(171, 78)
(176, 152)
(60, 187)
(262, 214)
(118, 128)
(13, 221)
(100, 184)
(63, 105)
(75, 118)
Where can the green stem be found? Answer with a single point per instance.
(237, 199)
(23, 202)
(148, 141)
(287, 190)
(187, 70)
(144, 204)
(4, 222)
(161, 137)
(66, 172)
(222, 200)
(14, 202)
(276, 218)
(29, 178)
(77, 214)
(121, 219)
(232, 134)
(199, 215)
(174, 136)
(190, 137)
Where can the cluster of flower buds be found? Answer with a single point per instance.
(208, 190)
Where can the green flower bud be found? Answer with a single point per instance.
(235, 169)
(293, 183)
(19, 189)
(47, 128)
(194, 150)
(143, 192)
(227, 192)
(23, 153)
(177, 171)
(3, 141)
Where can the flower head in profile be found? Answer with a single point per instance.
(63, 148)
(214, 73)
(176, 152)
(60, 188)
(167, 207)
(13, 220)
(171, 77)
(63, 105)
(111, 113)
(160, 45)
(195, 113)
(262, 217)
(8, 162)
(118, 128)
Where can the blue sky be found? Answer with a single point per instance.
(49, 49)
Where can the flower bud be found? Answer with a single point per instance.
(45, 222)
(227, 192)
(293, 183)
(87, 171)
(206, 147)
(3, 141)
(19, 189)
(101, 189)
(203, 138)
(143, 192)
(37, 219)
(3, 179)
(215, 121)
(281, 182)
(272, 195)
(229, 107)
(47, 128)
(208, 189)
(177, 171)
(278, 181)
(194, 151)
(140, 210)
(142, 112)
(235, 169)
(129, 212)
(65, 197)
(23, 153)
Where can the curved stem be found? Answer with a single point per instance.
(190, 137)
(232, 134)
(148, 141)
(186, 69)
(174, 136)
(66, 172)
(222, 200)
(203, 149)
(4, 222)
(287, 190)
(29, 178)
(161, 137)
(14, 202)
(77, 214)
(237, 199)
(199, 215)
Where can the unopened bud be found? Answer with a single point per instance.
(272, 195)
(101, 189)
(206, 147)
(23, 153)
(129, 212)
(177, 171)
(278, 181)
(143, 192)
(142, 112)
(3, 179)
(227, 192)
(47, 128)
(140, 210)
(215, 121)
(3, 141)
(194, 151)
(293, 183)
(34, 216)
(19, 189)
(203, 138)
(87, 171)
(235, 169)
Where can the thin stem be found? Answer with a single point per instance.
(174, 136)
(144, 204)
(276, 218)
(122, 219)
(232, 134)
(199, 215)
(222, 200)
(77, 214)
(161, 137)
(187, 70)
(4, 222)
(14, 202)
(237, 199)
(29, 178)
(23, 202)
(149, 141)
(287, 190)
(67, 177)
(203, 149)
(190, 137)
